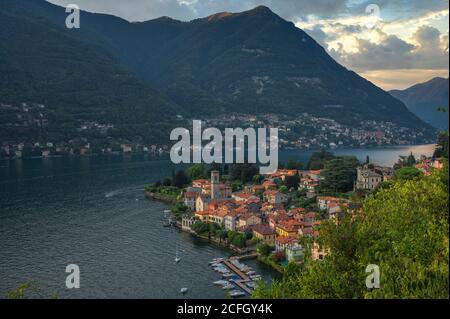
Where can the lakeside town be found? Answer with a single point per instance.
(277, 217)
(42, 136)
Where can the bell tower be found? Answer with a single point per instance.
(215, 188)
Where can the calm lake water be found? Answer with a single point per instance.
(91, 212)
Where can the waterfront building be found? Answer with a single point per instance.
(265, 234)
(295, 253)
(187, 221)
(231, 221)
(281, 243)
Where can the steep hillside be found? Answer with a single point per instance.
(424, 99)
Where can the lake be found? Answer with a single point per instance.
(90, 211)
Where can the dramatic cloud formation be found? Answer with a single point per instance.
(409, 40)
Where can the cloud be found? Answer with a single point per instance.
(402, 79)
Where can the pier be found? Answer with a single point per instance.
(234, 269)
(244, 278)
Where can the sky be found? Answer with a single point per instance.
(392, 43)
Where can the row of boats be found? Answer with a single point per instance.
(229, 278)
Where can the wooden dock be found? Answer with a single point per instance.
(244, 277)
(241, 284)
(236, 270)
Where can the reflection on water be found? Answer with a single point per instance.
(91, 212)
(88, 211)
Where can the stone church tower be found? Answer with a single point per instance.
(215, 188)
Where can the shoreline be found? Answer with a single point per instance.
(164, 155)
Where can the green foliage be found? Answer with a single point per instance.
(442, 145)
(180, 179)
(197, 171)
(403, 229)
(257, 179)
(264, 249)
(167, 182)
(237, 239)
(339, 174)
(283, 189)
(406, 161)
(200, 228)
(28, 290)
(243, 172)
(291, 164)
(178, 210)
(318, 159)
(292, 181)
(406, 173)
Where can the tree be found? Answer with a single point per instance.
(167, 182)
(442, 145)
(197, 171)
(180, 179)
(318, 159)
(237, 239)
(257, 179)
(403, 229)
(200, 227)
(406, 173)
(278, 256)
(243, 172)
(411, 160)
(283, 189)
(264, 249)
(294, 165)
(339, 174)
(292, 181)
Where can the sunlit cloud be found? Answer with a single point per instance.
(402, 79)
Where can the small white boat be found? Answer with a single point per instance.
(237, 294)
(251, 284)
(228, 275)
(177, 260)
(183, 291)
(228, 286)
(220, 282)
(251, 272)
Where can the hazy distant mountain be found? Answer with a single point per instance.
(137, 73)
(424, 99)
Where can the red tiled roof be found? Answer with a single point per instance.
(263, 230)
(285, 240)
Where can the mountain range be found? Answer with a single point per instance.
(139, 76)
(424, 99)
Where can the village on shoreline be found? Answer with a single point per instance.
(276, 217)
